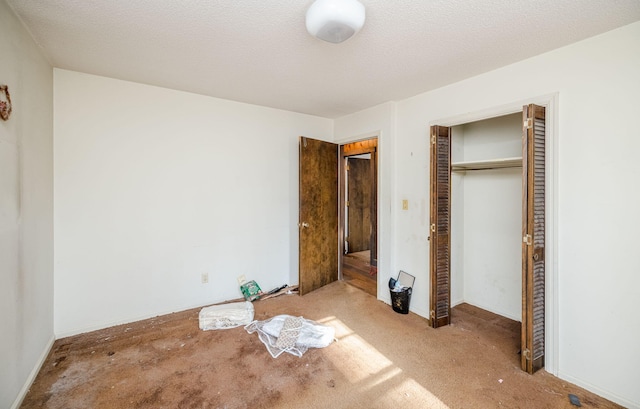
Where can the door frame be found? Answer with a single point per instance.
(550, 102)
(375, 150)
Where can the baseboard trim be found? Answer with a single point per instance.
(599, 391)
(33, 374)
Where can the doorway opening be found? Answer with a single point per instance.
(358, 215)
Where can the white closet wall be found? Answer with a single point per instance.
(486, 208)
(457, 218)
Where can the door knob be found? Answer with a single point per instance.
(304, 224)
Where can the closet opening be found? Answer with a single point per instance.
(488, 227)
(486, 222)
(486, 215)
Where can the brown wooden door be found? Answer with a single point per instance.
(440, 234)
(359, 188)
(533, 238)
(318, 224)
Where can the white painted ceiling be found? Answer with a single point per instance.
(259, 52)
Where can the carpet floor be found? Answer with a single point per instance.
(381, 359)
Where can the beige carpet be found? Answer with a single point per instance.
(381, 360)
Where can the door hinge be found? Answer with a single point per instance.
(433, 315)
(433, 227)
(433, 139)
(527, 239)
(527, 354)
(346, 203)
(528, 124)
(346, 166)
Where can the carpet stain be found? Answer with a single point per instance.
(58, 360)
(150, 400)
(192, 399)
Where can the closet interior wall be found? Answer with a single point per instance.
(486, 217)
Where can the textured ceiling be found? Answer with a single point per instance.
(258, 51)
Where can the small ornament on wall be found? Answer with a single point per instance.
(5, 102)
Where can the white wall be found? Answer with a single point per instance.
(593, 330)
(492, 241)
(457, 237)
(156, 187)
(26, 211)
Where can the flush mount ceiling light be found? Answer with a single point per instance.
(335, 20)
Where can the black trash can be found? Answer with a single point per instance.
(400, 290)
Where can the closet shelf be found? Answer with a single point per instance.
(487, 164)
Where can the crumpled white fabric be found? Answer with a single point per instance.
(226, 315)
(309, 334)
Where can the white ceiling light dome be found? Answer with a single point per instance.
(335, 20)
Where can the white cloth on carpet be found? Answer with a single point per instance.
(226, 315)
(294, 335)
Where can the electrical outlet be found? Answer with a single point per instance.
(242, 279)
(205, 278)
(405, 204)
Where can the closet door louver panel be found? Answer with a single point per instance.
(533, 238)
(439, 236)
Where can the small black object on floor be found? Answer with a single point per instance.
(574, 400)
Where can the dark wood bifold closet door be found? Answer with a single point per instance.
(440, 225)
(533, 238)
(318, 225)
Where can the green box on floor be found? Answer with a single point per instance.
(251, 290)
